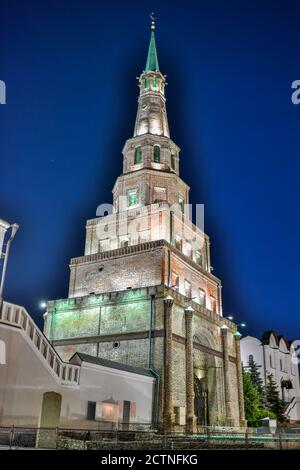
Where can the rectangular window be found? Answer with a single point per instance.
(197, 257)
(124, 242)
(104, 245)
(188, 289)
(213, 304)
(181, 203)
(144, 236)
(173, 161)
(178, 243)
(174, 280)
(138, 155)
(188, 249)
(202, 298)
(160, 194)
(132, 197)
(91, 410)
(156, 154)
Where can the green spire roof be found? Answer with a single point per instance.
(152, 60)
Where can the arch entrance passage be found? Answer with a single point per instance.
(201, 409)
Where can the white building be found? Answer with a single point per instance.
(277, 356)
(89, 392)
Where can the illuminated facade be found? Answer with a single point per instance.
(144, 293)
(276, 356)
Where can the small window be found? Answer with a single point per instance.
(174, 280)
(91, 410)
(202, 297)
(173, 163)
(154, 82)
(213, 304)
(181, 203)
(187, 289)
(104, 245)
(250, 358)
(146, 83)
(187, 250)
(197, 257)
(138, 155)
(160, 194)
(124, 242)
(132, 198)
(178, 243)
(271, 361)
(156, 154)
(281, 366)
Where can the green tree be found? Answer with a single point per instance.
(253, 369)
(251, 401)
(273, 400)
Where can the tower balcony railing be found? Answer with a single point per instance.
(11, 314)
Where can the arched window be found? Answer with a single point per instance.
(250, 358)
(132, 197)
(156, 154)
(146, 83)
(138, 155)
(154, 82)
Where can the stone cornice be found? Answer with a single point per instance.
(199, 310)
(150, 170)
(118, 252)
(149, 139)
(141, 247)
(131, 336)
(107, 338)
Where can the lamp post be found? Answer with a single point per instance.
(4, 227)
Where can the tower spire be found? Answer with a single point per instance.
(152, 60)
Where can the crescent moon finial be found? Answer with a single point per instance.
(152, 21)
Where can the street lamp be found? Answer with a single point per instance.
(4, 227)
(231, 318)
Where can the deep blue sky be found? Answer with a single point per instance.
(70, 71)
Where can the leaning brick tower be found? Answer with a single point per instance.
(144, 294)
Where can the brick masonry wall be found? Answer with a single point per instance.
(129, 312)
(116, 274)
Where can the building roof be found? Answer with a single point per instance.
(152, 60)
(267, 335)
(265, 339)
(78, 358)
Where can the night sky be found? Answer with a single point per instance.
(70, 69)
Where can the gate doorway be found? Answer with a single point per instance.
(201, 402)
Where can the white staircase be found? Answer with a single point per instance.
(65, 373)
